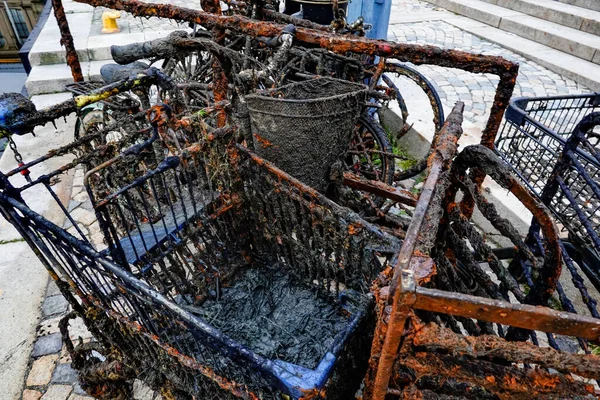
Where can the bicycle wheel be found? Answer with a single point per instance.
(424, 84)
(193, 73)
(369, 154)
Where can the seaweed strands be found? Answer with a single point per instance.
(267, 310)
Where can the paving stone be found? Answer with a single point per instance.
(73, 204)
(52, 289)
(483, 86)
(77, 329)
(57, 392)
(54, 305)
(141, 391)
(83, 216)
(49, 326)
(75, 396)
(65, 357)
(29, 394)
(63, 373)
(41, 370)
(47, 345)
(77, 389)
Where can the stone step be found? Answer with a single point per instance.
(572, 16)
(589, 4)
(571, 41)
(584, 72)
(44, 79)
(90, 43)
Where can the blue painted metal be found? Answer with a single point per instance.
(376, 14)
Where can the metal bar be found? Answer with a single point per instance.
(380, 189)
(434, 337)
(438, 161)
(67, 40)
(519, 315)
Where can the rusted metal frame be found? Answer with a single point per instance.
(463, 252)
(70, 106)
(380, 189)
(417, 54)
(272, 15)
(219, 67)
(381, 362)
(457, 376)
(434, 337)
(308, 194)
(55, 153)
(67, 40)
(488, 163)
(524, 316)
(169, 163)
(439, 161)
(488, 210)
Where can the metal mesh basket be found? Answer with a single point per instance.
(533, 139)
(187, 243)
(305, 127)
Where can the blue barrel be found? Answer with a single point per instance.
(375, 12)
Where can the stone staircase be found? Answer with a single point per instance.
(561, 35)
(50, 74)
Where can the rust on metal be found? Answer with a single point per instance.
(434, 337)
(379, 188)
(417, 54)
(388, 335)
(518, 315)
(487, 162)
(66, 39)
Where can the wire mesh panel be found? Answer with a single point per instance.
(533, 139)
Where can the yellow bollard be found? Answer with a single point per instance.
(109, 21)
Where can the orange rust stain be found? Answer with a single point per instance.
(354, 229)
(263, 142)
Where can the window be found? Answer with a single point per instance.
(2, 41)
(20, 25)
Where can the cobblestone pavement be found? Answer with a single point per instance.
(475, 90)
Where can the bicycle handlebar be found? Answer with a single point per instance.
(158, 48)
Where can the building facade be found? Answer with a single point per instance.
(17, 19)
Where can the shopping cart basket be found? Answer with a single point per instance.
(222, 275)
(553, 145)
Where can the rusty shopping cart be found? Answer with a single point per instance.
(203, 285)
(455, 321)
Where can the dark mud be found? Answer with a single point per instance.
(276, 316)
